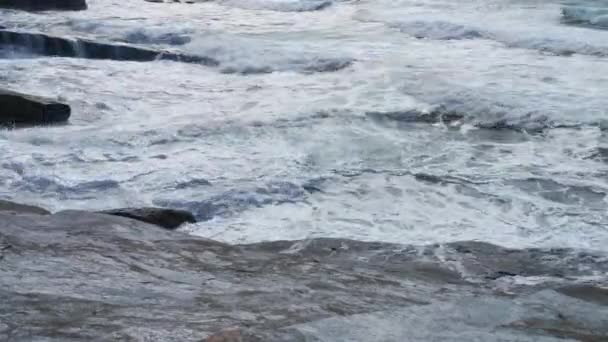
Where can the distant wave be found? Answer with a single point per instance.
(280, 5)
(592, 17)
(170, 35)
(500, 117)
(234, 201)
(445, 30)
(438, 30)
(250, 56)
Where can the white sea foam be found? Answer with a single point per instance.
(266, 147)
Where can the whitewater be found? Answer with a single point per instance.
(406, 121)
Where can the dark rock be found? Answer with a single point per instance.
(166, 218)
(46, 45)
(44, 5)
(16, 208)
(20, 109)
(82, 276)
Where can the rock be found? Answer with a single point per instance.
(20, 109)
(16, 208)
(166, 218)
(82, 276)
(46, 45)
(44, 5)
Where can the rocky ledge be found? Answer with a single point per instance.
(44, 5)
(47, 45)
(82, 276)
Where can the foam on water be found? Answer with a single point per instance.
(280, 5)
(245, 55)
(593, 17)
(266, 147)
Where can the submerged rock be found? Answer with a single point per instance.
(82, 276)
(166, 218)
(44, 5)
(17, 208)
(21, 109)
(42, 44)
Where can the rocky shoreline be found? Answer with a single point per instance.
(84, 276)
(130, 274)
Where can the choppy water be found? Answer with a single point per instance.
(273, 144)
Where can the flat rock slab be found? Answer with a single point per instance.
(166, 218)
(46, 45)
(44, 5)
(22, 109)
(17, 208)
(82, 276)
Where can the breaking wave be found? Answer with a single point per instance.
(584, 16)
(280, 5)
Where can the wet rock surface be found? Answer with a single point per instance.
(21, 109)
(44, 5)
(166, 218)
(80, 276)
(46, 45)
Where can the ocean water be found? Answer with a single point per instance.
(276, 143)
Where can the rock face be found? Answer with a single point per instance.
(20, 109)
(80, 276)
(166, 218)
(46, 45)
(44, 5)
(17, 208)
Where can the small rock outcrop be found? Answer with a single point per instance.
(166, 218)
(8, 207)
(44, 5)
(18, 109)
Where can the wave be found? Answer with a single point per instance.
(590, 17)
(280, 5)
(500, 117)
(52, 185)
(562, 193)
(244, 57)
(234, 201)
(161, 35)
(438, 30)
(445, 30)
(555, 46)
(255, 56)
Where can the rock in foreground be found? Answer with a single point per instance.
(20, 109)
(166, 218)
(44, 5)
(79, 276)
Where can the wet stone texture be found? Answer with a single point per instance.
(80, 276)
(44, 5)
